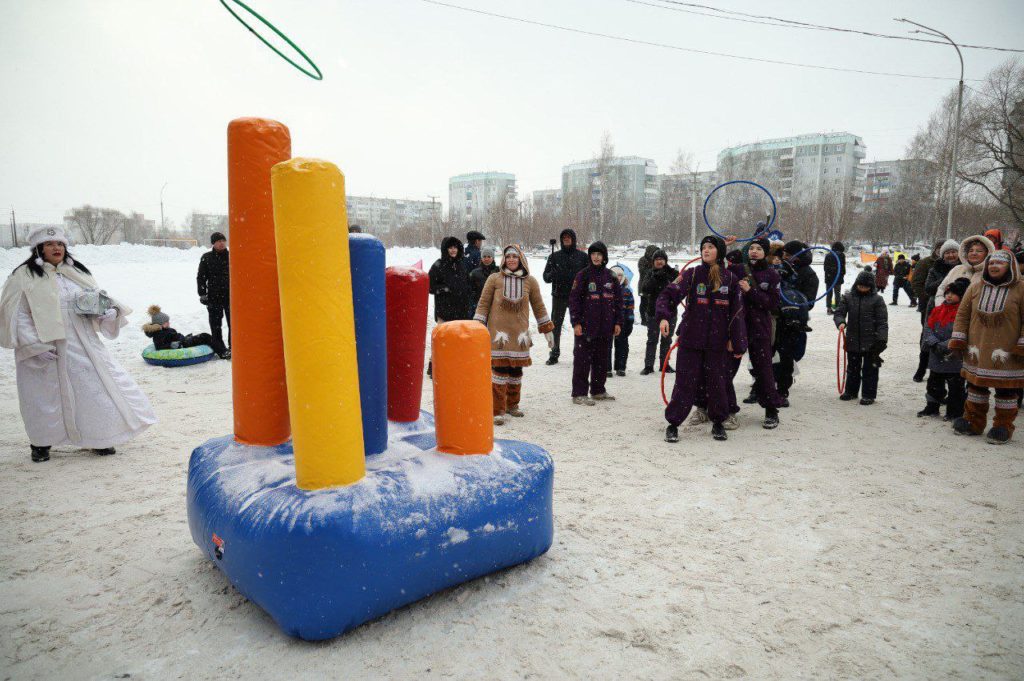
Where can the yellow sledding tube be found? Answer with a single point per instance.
(317, 322)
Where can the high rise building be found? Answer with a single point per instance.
(472, 197)
(803, 169)
(883, 179)
(547, 201)
(382, 215)
(614, 191)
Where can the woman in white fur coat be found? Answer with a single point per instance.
(71, 390)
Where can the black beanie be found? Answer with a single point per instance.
(718, 244)
(959, 286)
(865, 278)
(599, 247)
(794, 247)
(765, 245)
(735, 256)
(217, 236)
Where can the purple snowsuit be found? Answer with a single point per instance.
(710, 321)
(761, 302)
(701, 398)
(595, 303)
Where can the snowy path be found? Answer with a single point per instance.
(852, 542)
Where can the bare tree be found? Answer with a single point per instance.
(136, 228)
(94, 225)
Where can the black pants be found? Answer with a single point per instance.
(834, 296)
(558, 309)
(620, 349)
(216, 311)
(194, 339)
(862, 375)
(902, 285)
(950, 387)
(653, 336)
(922, 358)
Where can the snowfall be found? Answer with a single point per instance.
(851, 542)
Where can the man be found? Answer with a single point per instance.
(478, 277)
(474, 241)
(832, 269)
(562, 267)
(902, 271)
(214, 284)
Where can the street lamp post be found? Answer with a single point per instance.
(956, 125)
(162, 225)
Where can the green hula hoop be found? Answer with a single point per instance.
(315, 76)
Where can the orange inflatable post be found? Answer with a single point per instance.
(463, 406)
(258, 386)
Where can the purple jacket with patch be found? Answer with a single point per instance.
(710, 319)
(760, 302)
(595, 302)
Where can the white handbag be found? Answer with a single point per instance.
(92, 303)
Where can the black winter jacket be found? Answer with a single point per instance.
(563, 265)
(449, 284)
(831, 266)
(902, 269)
(654, 283)
(213, 280)
(478, 277)
(802, 277)
(866, 318)
(921, 271)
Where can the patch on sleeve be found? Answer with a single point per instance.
(764, 286)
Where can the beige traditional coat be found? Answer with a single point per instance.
(988, 330)
(505, 308)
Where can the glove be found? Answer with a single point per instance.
(203, 299)
(550, 336)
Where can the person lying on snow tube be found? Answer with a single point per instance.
(167, 342)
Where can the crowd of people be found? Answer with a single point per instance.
(753, 301)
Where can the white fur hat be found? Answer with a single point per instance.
(44, 234)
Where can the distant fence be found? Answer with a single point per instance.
(172, 243)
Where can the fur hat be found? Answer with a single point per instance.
(949, 245)
(599, 247)
(217, 236)
(959, 286)
(157, 316)
(44, 234)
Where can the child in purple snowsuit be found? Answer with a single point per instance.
(711, 333)
(595, 311)
(760, 301)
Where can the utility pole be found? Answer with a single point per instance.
(14, 229)
(162, 225)
(433, 218)
(956, 126)
(693, 211)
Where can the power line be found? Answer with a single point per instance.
(768, 20)
(637, 41)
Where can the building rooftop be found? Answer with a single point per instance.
(794, 141)
(486, 175)
(614, 161)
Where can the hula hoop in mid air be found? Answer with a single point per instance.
(315, 74)
(771, 198)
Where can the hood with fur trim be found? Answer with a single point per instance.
(965, 246)
(450, 241)
(523, 265)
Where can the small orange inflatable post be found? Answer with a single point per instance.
(463, 406)
(258, 383)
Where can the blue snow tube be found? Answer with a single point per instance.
(367, 256)
(177, 357)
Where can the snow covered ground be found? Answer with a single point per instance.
(852, 542)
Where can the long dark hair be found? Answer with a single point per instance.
(37, 254)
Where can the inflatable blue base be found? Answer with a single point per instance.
(323, 562)
(177, 357)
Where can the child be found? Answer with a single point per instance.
(166, 338)
(988, 329)
(595, 310)
(621, 342)
(760, 302)
(943, 366)
(711, 332)
(652, 284)
(863, 316)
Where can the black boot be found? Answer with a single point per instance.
(672, 434)
(647, 371)
(40, 453)
(751, 398)
(669, 370)
(551, 360)
(771, 418)
(930, 409)
(105, 451)
(718, 431)
(998, 435)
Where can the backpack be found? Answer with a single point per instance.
(794, 310)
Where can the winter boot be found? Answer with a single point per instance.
(669, 370)
(998, 435)
(962, 426)
(700, 416)
(930, 409)
(40, 454)
(730, 422)
(1006, 412)
(499, 420)
(514, 391)
(771, 418)
(866, 402)
(551, 360)
(751, 398)
(718, 431)
(225, 355)
(647, 371)
(846, 397)
(602, 397)
(499, 393)
(584, 400)
(620, 372)
(672, 434)
(976, 412)
(105, 451)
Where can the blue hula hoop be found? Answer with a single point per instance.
(767, 228)
(839, 269)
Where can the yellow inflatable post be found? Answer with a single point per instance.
(318, 323)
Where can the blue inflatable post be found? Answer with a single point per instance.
(368, 289)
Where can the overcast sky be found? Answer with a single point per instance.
(103, 101)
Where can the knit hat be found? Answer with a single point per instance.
(618, 271)
(839, 247)
(901, 257)
(718, 244)
(44, 234)
(794, 247)
(765, 245)
(487, 252)
(735, 256)
(1001, 256)
(949, 245)
(599, 247)
(157, 316)
(959, 286)
(217, 236)
(660, 253)
(865, 278)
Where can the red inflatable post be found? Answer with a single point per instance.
(406, 291)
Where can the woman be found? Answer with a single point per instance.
(70, 389)
(504, 307)
(973, 252)
(711, 332)
(988, 332)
